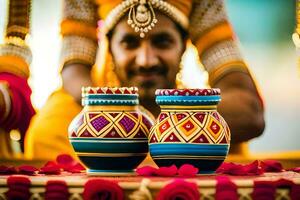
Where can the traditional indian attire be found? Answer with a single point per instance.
(15, 58)
(204, 20)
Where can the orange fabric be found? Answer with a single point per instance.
(216, 34)
(14, 65)
(71, 27)
(105, 6)
(183, 5)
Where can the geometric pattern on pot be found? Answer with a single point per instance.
(190, 127)
(112, 125)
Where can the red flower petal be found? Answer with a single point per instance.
(231, 168)
(5, 170)
(240, 170)
(146, 171)
(271, 166)
(65, 159)
(187, 170)
(28, 170)
(50, 163)
(253, 168)
(179, 189)
(296, 169)
(50, 170)
(167, 171)
(77, 168)
(95, 189)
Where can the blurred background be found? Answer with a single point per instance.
(264, 28)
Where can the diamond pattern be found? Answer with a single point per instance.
(99, 123)
(164, 127)
(127, 124)
(191, 127)
(113, 125)
(214, 128)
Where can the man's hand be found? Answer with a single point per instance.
(241, 106)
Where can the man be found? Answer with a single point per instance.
(15, 56)
(146, 40)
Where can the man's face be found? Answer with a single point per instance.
(148, 63)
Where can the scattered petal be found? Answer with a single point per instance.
(50, 170)
(187, 170)
(146, 171)
(271, 166)
(28, 170)
(167, 171)
(7, 170)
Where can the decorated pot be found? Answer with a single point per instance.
(110, 134)
(189, 130)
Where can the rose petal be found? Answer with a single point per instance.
(296, 169)
(146, 171)
(28, 170)
(167, 171)
(240, 170)
(253, 168)
(65, 159)
(7, 170)
(77, 168)
(231, 168)
(271, 166)
(187, 170)
(50, 163)
(50, 170)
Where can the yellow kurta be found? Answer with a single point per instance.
(47, 134)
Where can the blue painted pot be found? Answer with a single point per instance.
(189, 130)
(110, 135)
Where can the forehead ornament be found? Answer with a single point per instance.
(141, 15)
